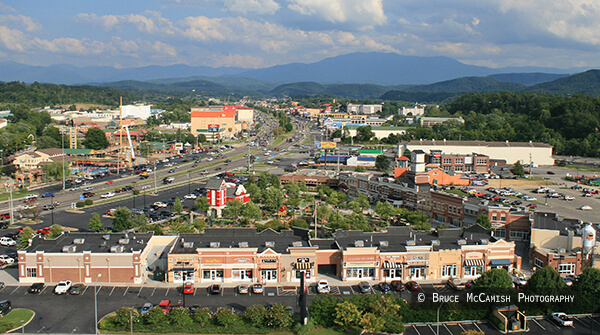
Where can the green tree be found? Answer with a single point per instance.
(24, 236)
(323, 212)
(484, 221)
(292, 190)
(275, 181)
(364, 134)
(140, 222)
(125, 315)
(179, 316)
(588, 286)
(272, 199)
(45, 142)
(256, 315)
(347, 314)
(233, 209)
(53, 133)
(55, 170)
(95, 139)
(382, 162)
(494, 279)
(155, 316)
(95, 223)
(385, 210)
(517, 169)
(372, 323)
(55, 231)
(263, 181)
(226, 317)
(360, 169)
(251, 211)
(254, 192)
(545, 280)
(199, 224)
(202, 204)
(337, 221)
(322, 310)
(278, 316)
(201, 316)
(177, 206)
(122, 219)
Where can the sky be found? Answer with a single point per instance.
(263, 33)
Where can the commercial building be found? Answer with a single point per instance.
(430, 121)
(219, 193)
(30, 161)
(137, 111)
(414, 111)
(363, 109)
(215, 123)
(526, 152)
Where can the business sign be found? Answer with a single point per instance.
(337, 140)
(213, 127)
(325, 145)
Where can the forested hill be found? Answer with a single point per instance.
(37, 94)
(587, 82)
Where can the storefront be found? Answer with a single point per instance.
(303, 266)
(473, 265)
(501, 264)
(392, 270)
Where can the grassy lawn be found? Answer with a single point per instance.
(13, 319)
(16, 195)
(334, 331)
(277, 141)
(309, 140)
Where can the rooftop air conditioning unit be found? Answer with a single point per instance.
(243, 244)
(384, 243)
(188, 245)
(411, 242)
(297, 244)
(270, 244)
(117, 248)
(435, 243)
(359, 243)
(462, 242)
(69, 248)
(123, 241)
(484, 241)
(79, 241)
(215, 244)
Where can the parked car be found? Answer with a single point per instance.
(397, 285)
(107, 195)
(385, 287)
(323, 286)
(562, 319)
(364, 287)
(165, 305)
(583, 208)
(188, 288)
(7, 241)
(190, 196)
(47, 195)
(242, 289)
(160, 204)
(215, 289)
(36, 288)
(76, 289)
(63, 287)
(550, 172)
(5, 259)
(5, 307)
(146, 308)
(257, 289)
(413, 285)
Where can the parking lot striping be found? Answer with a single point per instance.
(85, 289)
(167, 292)
(153, 292)
(589, 317)
(534, 320)
(477, 326)
(447, 329)
(583, 323)
(415, 328)
(140, 291)
(111, 291)
(42, 291)
(99, 288)
(126, 289)
(461, 327)
(431, 328)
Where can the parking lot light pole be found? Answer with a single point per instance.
(96, 304)
(438, 319)
(52, 207)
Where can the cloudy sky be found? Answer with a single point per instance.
(261, 33)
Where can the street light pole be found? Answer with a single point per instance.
(52, 207)
(62, 136)
(96, 304)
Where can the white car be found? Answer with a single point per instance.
(190, 196)
(569, 198)
(7, 241)
(63, 287)
(585, 208)
(323, 286)
(160, 204)
(6, 259)
(209, 159)
(562, 319)
(107, 195)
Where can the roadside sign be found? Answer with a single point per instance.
(81, 197)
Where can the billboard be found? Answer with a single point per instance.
(325, 145)
(213, 127)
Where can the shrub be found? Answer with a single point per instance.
(180, 316)
(80, 204)
(201, 316)
(89, 202)
(155, 316)
(226, 317)
(499, 324)
(256, 315)
(278, 316)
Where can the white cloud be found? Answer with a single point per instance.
(364, 13)
(66, 45)
(152, 23)
(25, 21)
(13, 39)
(252, 6)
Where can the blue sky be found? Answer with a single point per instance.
(261, 33)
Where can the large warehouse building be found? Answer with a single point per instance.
(526, 152)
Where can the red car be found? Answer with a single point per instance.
(550, 172)
(532, 206)
(44, 231)
(397, 285)
(110, 182)
(413, 286)
(188, 288)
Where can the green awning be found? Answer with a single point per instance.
(495, 262)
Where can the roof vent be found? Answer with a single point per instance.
(435, 243)
(215, 244)
(384, 243)
(411, 242)
(561, 250)
(188, 245)
(69, 248)
(462, 242)
(297, 244)
(270, 244)
(359, 243)
(117, 248)
(79, 241)
(123, 241)
(243, 244)
(106, 237)
(484, 241)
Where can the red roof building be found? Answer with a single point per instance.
(219, 193)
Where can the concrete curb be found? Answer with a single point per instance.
(24, 324)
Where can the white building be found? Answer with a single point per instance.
(380, 132)
(363, 109)
(245, 114)
(139, 111)
(415, 111)
(525, 152)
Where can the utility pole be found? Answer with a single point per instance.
(120, 132)
(62, 136)
(155, 189)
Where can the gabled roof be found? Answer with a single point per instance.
(215, 184)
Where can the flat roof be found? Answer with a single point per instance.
(94, 242)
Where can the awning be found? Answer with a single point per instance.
(391, 265)
(500, 262)
(474, 262)
(303, 266)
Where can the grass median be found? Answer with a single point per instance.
(13, 319)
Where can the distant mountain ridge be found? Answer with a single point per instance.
(363, 68)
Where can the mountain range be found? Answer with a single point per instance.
(365, 68)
